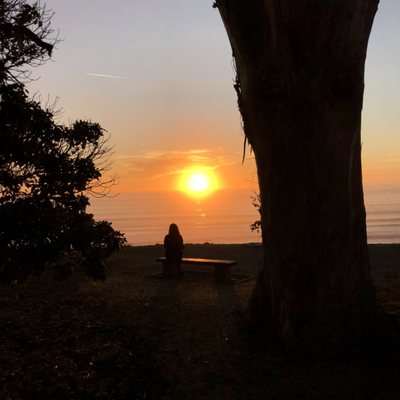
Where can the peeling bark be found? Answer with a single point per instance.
(300, 82)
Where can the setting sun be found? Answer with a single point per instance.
(198, 182)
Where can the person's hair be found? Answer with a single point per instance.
(174, 230)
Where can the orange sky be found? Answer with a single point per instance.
(158, 77)
(159, 171)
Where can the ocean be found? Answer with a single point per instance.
(383, 214)
(223, 217)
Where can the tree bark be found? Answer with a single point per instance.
(300, 82)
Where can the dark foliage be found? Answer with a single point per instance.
(26, 38)
(256, 225)
(44, 169)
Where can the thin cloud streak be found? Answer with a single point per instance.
(106, 76)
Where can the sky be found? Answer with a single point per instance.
(158, 76)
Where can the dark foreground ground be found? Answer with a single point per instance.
(141, 337)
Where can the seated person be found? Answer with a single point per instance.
(173, 243)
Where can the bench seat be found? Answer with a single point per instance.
(222, 268)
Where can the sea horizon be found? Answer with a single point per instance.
(223, 217)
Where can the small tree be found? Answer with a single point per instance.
(45, 168)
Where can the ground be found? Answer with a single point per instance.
(136, 336)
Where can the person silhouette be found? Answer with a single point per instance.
(173, 244)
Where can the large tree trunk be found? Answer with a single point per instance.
(300, 81)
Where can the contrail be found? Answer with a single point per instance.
(106, 76)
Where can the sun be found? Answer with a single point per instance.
(198, 182)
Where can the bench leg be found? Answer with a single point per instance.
(222, 273)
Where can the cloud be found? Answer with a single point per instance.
(157, 170)
(154, 165)
(106, 76)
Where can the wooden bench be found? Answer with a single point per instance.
(222, 268)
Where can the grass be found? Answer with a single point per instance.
(137, 337)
